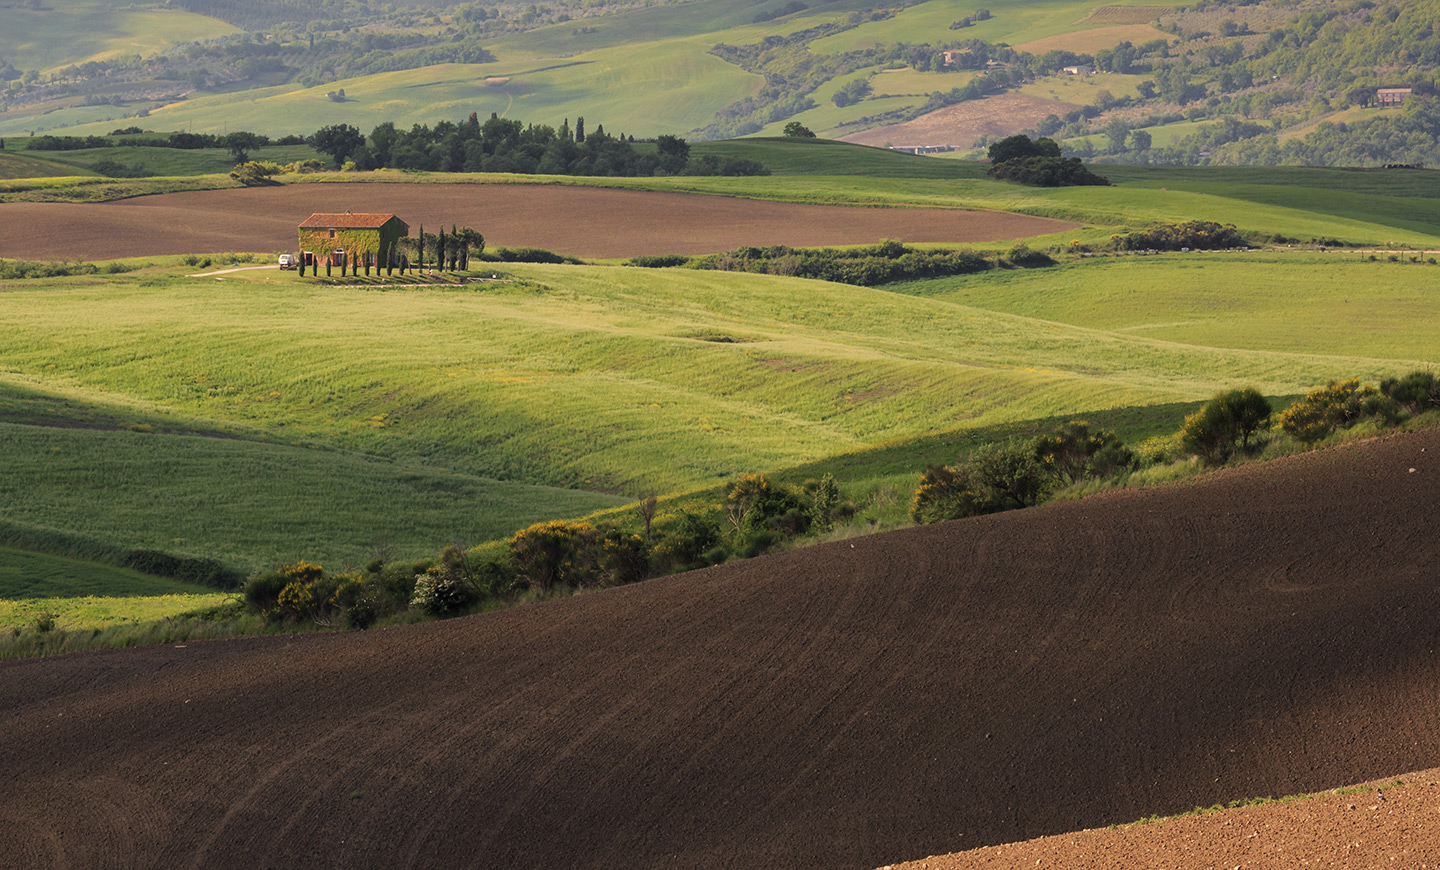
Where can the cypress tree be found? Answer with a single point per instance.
(456, 247)
(580, 129)
(327, 266)
(420, 249)
(440, 249)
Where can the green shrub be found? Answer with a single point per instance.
(1073, 452)
(1195, 235)
(658, 261)
(685, 542)
(1325, 409)
(551, 553)
(1212, 432)
(1416, 391)
(944, 493)
(824, 502)
(439, 592)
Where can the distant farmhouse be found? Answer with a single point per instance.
(1082, 69)
(360, 239)
(1391, 96)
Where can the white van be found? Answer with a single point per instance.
(287, 261)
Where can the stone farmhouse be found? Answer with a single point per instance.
(359, 239)
(1391, 96)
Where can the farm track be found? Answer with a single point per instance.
(1265, 630)
(580, 221)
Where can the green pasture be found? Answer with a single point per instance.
(645, 90)
(256, 504)
(99, 611)
(713, 20)
(828, 157)
(41, 576)
(1333, 303)
(1105, 209)
(75, 594)
(598, 378)
(1013, 22)
(1082, 90)
(94, 120)
(827, 118)
(908, 82)
(75, 31)
(174, 161)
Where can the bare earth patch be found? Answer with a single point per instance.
(581, 221)
(962, 124)
(1266, 630)
(1387, 826)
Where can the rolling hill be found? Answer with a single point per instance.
(847, 705)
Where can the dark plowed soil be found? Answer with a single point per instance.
(580, 221)
(1270, 630)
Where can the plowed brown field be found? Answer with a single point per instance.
(961, 125)
(581, 221)
(1380, 827)
(1267, 630)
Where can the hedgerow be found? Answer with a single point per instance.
(867, 266)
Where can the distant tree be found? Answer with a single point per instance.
(339, 141)
(580, 129)
(797, 130)
(1020, 146)
(440, 249)
(1141, 140)
(240, 143)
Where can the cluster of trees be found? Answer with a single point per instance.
(754, 515)
(505, 145)
(1038, 163)
(1192, 235)
(865, 266)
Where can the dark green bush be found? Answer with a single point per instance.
(1047, 172)
(1416, 391)
(526, 255)
(1233, 416)
(1324, 409)
(658, 261)
(1195, 235)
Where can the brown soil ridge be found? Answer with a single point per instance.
(1266, 630)
(960, 126)
(1392, 823)
(579, 221)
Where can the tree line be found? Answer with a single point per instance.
(506, 145)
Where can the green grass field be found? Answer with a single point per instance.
(60, 34)
(167, 161)
(1013, 22)
(83, 595)
(598, 378)
(667, 87)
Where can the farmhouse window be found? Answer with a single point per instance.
(332, 234)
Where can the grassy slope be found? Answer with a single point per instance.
(1013, 21)
(1331, 303)
(607, 377)
(82, 465)
(78, 594)
(173, 161)
(61, 34)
